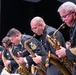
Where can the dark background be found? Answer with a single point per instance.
(18, 13)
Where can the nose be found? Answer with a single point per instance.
(64, 19)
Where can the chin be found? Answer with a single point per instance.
(38, 34)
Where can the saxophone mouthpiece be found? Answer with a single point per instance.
(34, 35)
(48, 36)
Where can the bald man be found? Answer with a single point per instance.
(39, 27)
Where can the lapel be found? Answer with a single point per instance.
(72, 33)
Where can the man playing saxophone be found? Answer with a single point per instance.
(8, 61)
(39, 27)
(24, 56)
(67, 12)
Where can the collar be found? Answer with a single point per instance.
(45, 29)
(74, 24)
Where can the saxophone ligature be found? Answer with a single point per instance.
(6, 67)
(21, 69)
(42, 68)
(53, 40)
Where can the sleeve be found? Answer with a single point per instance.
(30, 61)
(13, 63)
(71, 54)
(37, 48)
(1, 50)
(61, 39)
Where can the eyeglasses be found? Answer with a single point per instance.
(66, 15)
(34, 28)
(37, 27)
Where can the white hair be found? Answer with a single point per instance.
(68, 6)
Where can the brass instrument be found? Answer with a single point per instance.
(56, 61)
(21, 69)
(35, 69)
(6, 67)
(61, 26)
(41, 64)
(56, 44)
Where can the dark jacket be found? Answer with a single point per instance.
(34, 45)
(1, 62)
(69, 54)
(13, 65)
(49, 31)
(52, 70)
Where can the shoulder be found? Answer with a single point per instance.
(1, 48)
(49, 29)
(25, 37)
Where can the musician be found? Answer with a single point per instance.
(67, 12)
(39, 27)
(18, 39)
(1, 62)
(10, 63)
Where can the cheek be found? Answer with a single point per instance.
(40, 30)
(14, 40)
(70, 18)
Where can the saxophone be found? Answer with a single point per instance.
(56, 61)
(35, 69)
(41, 65)
(6, 67)
(21, 69)
(56, 44)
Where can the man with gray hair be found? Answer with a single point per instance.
(67, 12)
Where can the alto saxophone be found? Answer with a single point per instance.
(6, 67)
(21, 69)
(56, 44)
(41, 64)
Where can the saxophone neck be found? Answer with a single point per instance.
(61, 26)
(26, 46)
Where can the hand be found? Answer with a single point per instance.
(37, 59)
(7, 62)
(46, 65)
(20, 60)
(61, 53)
(68, 44)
